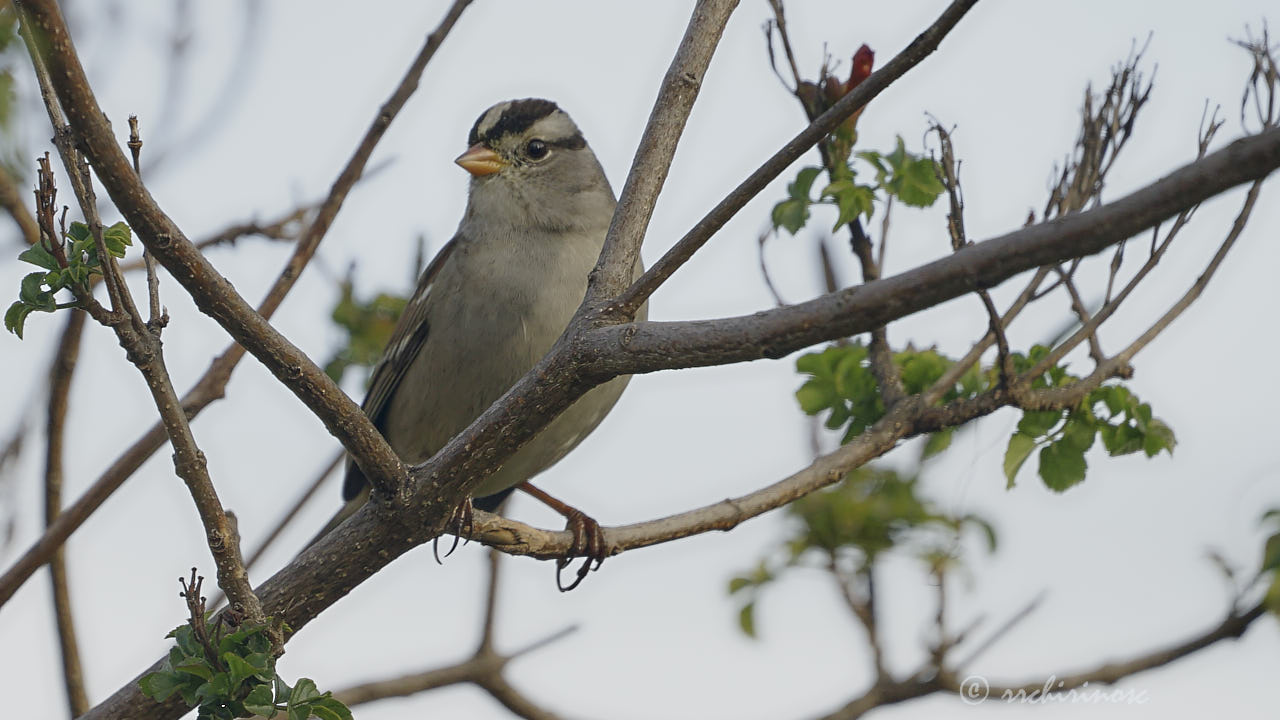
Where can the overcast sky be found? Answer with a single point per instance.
(1121, 558)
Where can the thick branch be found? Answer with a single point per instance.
(649, 346)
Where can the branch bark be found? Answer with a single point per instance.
(60, 374)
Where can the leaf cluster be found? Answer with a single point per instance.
(1110, 412)
(70, 266)
(911, 179)
(841, 384)
(367, 325)
(853, 524)
(238, 681)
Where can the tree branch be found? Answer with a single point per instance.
(649, 169)
(649, 346)
(920, 48)
(212, 385)
(63, 367)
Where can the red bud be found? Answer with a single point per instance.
(863, 60)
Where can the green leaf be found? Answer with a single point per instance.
(303, 692)
(1271, 554)
(1078, 434)
(196, 666)
(800, 189)
(240, 669)
(32, 292)
(739, 583)
(1121, 439)
(1037, 423)
(1061, 466)
(747, 619)
(16, 316)
(916, 184)
(813, 398)
(1020, 447)
(79, 233)
(160, 685)
(259, 701)
(118, 233)
(38, 255)
(300, 712)
(936, 443)
(1159, 437)
(328, 708)
(791, 214)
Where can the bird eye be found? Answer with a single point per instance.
(536, 149)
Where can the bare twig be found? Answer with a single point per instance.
(283, 227)
(157, 318)
(60, 373)
(1231, 627)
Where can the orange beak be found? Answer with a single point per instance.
(480, 160)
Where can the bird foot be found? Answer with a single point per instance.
(461, 523)
(588, 543)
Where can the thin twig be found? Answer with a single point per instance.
(60, 374)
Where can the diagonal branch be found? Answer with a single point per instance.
(650, 346)
(211, 386)
(920, 48)
(657, 147)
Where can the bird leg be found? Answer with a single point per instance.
(460, 523)
(588, 540)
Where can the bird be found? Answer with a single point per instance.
(491, 304)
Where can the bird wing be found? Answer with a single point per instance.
(406, 340)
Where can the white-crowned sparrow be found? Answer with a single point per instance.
(495, 299)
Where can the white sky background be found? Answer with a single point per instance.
(1122, 557)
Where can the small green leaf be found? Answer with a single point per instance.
(328, 708)
(1121, 439)
(800, 189)
(303, 692)
(1061, 466)
(1159, 437)
(916, 184)
(791, 214)
(937, 442)
(238, 668)
(1037, 423)
(747, 619)
(259, 701)
(38, 255)
(32, 292)
(1078, 433)
(1271, 554)
(196, 666)
(16, 316)
(160, 685)
(739, 583)
(1020, 447)
(300, 712)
